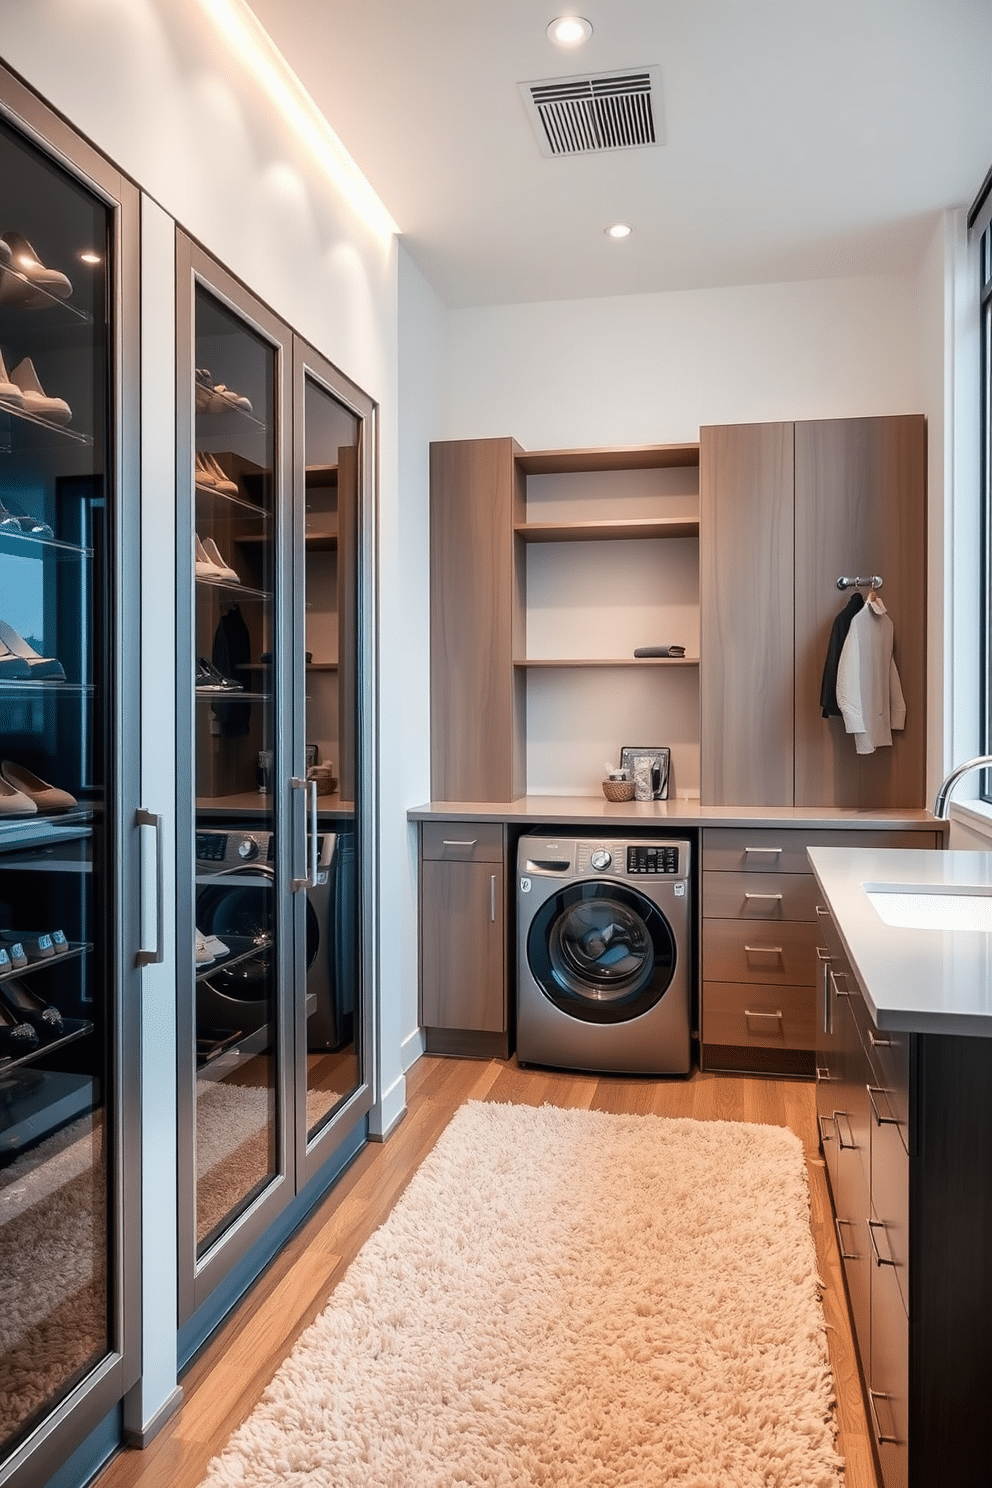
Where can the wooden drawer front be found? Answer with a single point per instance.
(890, 1203)
(780, 954)
(888, 1377)
(736, 849)
(758, 1017)
(888, 1055)
(851, 1207)
(463, 842)
(760, 896)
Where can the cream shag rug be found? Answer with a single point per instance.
(567, 1298)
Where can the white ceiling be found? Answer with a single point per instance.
(805, 138)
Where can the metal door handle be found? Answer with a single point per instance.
(823, 1075)
(750, 1013)
(836, 977)
(763, 950)
(880, 1120)
(874, 1395)
(819, 1121)
(880, 1260)
(845, 1146)
(775, 850)
(309, 881)
(878, 1043)
(845, 1255)
(470, 842)
(144, 957)
(763, 896)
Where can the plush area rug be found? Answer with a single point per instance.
(568, 1299)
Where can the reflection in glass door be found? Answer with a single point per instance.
(234, 950)
(333, 1025)
(62, 792)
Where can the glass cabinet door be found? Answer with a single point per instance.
(62, 791)
(233, 1154)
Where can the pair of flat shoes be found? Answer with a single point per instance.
(24, 279)
(20, 389)
(209, 564)
(14, 648)
(209, 474)
(214, 397)
(23, 793)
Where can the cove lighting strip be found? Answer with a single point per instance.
(258, 54)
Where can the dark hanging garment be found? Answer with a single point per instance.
(232, 651)
(838, 635)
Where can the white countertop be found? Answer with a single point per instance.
(914, 980)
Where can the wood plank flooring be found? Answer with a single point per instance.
(225, 1381)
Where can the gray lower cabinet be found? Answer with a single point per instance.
(759, 942)
(906, 1132)
(463, 938)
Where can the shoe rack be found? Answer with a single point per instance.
(68, 595)
(273, 1031)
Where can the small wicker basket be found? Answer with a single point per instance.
(618, 790)
(324, 776)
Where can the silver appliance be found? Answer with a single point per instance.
(604, 937)
(234, 880)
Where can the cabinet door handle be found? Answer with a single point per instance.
(774, 851)
(828, 1021)
(880, 1260)
(753, 950)
(878, 1043)
(845, 1146)
(874, 1395)
(823, 954)
(836, 977)
(492, 898)
(845, 1255)
(144, 957)
(451, 842)
(820, 1122)
(823, 1077)
(309, 880)
(752, 1013)
(823, 912)
(880, 1120)
(763, 896)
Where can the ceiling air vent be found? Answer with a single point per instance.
(603, 111)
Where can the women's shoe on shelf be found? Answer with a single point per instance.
(10, 394)
(16, 1038)
(14, 519)
(212, 679)
(22, 1003)
(15, 802)
(30, 283)
(205, 567)
(212, 554)
(37, 945)
(36, 400)
(41, 668)
(12, 668)
(222, 482)
(225, 398)
(14, 956)
(47, 798)
(202, 955)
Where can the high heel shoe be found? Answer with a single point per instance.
(26, 1005)
(10, 394)
(36, 400)
(14, 519)
(41, 667)
(47, 798)
(29, 283)
(16, 1037)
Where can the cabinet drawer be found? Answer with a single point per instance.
(888, 1378)
(743, 1016)
(890, 1206)
(463, 842)
(888, 1055)
(783, 850)
(783, 953)
(760, 896)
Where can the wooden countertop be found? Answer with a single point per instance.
(595, 811)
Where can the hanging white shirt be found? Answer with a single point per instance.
(869, 693)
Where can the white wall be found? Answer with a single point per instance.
(153, 86)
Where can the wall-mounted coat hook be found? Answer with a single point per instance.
(873, 581)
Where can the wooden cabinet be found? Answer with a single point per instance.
(760, 968)
(904, 1125)
(785, 510)
(463, 936)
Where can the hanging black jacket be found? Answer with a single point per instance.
(838, 635)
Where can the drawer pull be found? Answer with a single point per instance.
(470, 842)
(845, 1146)
(823, 1077)
(880, 1260)
(878, 1043)
(820, 1123)
(763, 950)
(880, 1120)
(492, 898)
(823, 954)
(750, 1013)
(763, 896)
(836, 977)
(874, 1395)
(845, 1255)
(777, 851)
(823, 912)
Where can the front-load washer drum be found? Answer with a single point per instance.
(601, 952)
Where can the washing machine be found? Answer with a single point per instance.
(603, 964)
(234, 878)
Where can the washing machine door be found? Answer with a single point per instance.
(601, 951)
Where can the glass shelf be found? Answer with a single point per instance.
(230, 695)
(226, 505)
(230, 408)
(11, 541)
(19, 973)
(23, 417)
(26, 314)
(75, 1028)
(51, 685)
(241, 947)
(231, 586)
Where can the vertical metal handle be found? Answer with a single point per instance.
(144, 957)
(874, 1395)
(828, 1022)
(845, 1255)
(309, 879)
(492, 898)
(880, 1260)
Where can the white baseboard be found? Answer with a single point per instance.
(413, 1047)
(388, 1110)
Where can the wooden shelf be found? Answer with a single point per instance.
(600, 661)
(630, 457)
(612, 531)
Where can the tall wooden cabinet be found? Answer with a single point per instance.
(787, 509)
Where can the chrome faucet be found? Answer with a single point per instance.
(980, 762)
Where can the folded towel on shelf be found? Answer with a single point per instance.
(642, 651)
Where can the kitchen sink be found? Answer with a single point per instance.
(932, 906)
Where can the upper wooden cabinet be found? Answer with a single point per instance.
(786, 509)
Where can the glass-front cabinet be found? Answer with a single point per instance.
(273, 1073)
(68, 903)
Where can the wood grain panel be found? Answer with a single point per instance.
(462, 946)
(744, 1017)
(746, 543)
(780, 953)
(860, 509)
(760, 896)
(477, 699)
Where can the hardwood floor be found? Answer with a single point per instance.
(227, 1378)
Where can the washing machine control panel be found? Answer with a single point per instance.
(652, 858)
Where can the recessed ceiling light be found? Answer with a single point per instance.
(619, 230)
(569, 31)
